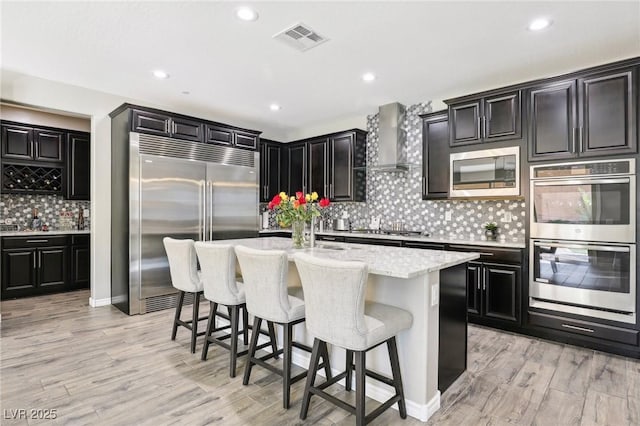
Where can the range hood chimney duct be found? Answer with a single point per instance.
(392, 146)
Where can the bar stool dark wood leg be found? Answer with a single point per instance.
(235, 310)
(286, 365)
(311, 377)
(360, 383)
(272, 336)
(349, 369)
(212, 315)
(245, 323)
(252, 349)
(397, 378)
(194, 321)
(177, 317)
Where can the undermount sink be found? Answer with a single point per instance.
(330, 247)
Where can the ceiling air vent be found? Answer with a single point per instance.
(301, 37)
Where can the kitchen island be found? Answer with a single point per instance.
(408, 278)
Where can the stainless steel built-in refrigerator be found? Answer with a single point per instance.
(181, 190)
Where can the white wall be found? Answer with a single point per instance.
(20, 114)
(40, 93)
(355, 122)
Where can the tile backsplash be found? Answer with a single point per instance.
(18, 208)
(397, 196)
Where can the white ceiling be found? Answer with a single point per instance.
(418, 50)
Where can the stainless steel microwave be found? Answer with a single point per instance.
(485, 173)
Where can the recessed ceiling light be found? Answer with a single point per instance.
(160, 74)
(246, 14)
(539, 24)
(274, 107)
(185, 92)
(368, 77)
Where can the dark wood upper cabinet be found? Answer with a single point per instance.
(219, 135)
(48, 145)
(318, 180)
(332, 165)
(465, 123)
(552, 120)
(150, 122)
(191, 130)
(270, 170)
(163, 123)
(487, 119)
(341, 187)
(435, 155)
(502, 117)
(17, 142)
(78, 166)
(297, 168)
(607, 113)
(246, 140)
(595, 115)
(32, 144)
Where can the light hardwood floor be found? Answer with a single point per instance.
(99, 366)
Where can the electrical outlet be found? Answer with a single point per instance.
(85, 213)
(447, 215)
(435, 294)
(506, 218)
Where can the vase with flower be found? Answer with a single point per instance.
(297, 210)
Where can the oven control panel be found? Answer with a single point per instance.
(592, 168)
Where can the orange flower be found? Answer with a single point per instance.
(296, 204)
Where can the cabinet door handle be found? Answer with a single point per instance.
(39, 259)
(34, 261)
(479, 120)
(573, 139)
(37, 241)
(264, 191)
(484, 284)
(580, 138)
(484, 126)
(574, 327)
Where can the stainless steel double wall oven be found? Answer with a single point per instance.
(583, 238)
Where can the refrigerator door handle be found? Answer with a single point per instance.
(203, 211)
(210, 205)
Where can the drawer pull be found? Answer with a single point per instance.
(329, 238)
(483, 253)
(574, 327)
(37, 241)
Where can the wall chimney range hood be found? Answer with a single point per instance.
(392, 139)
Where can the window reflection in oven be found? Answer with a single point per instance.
(582, 204)
(583, 267)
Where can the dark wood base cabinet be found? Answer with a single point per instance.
(38, 265)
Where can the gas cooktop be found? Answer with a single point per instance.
(405, 233)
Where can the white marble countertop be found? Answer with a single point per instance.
(40, 233)
(399, 262)
(444, 240)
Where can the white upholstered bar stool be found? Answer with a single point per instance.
(218, 274)
(183, 266)
(265, 274)
(338, 314)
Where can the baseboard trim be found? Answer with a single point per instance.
(99, 302)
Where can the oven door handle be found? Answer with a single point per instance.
(584, 246)
(582, 182)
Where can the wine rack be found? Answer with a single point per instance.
(19, 179)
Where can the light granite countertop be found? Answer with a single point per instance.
(41, 233)
(399, 262)
(443, 240)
